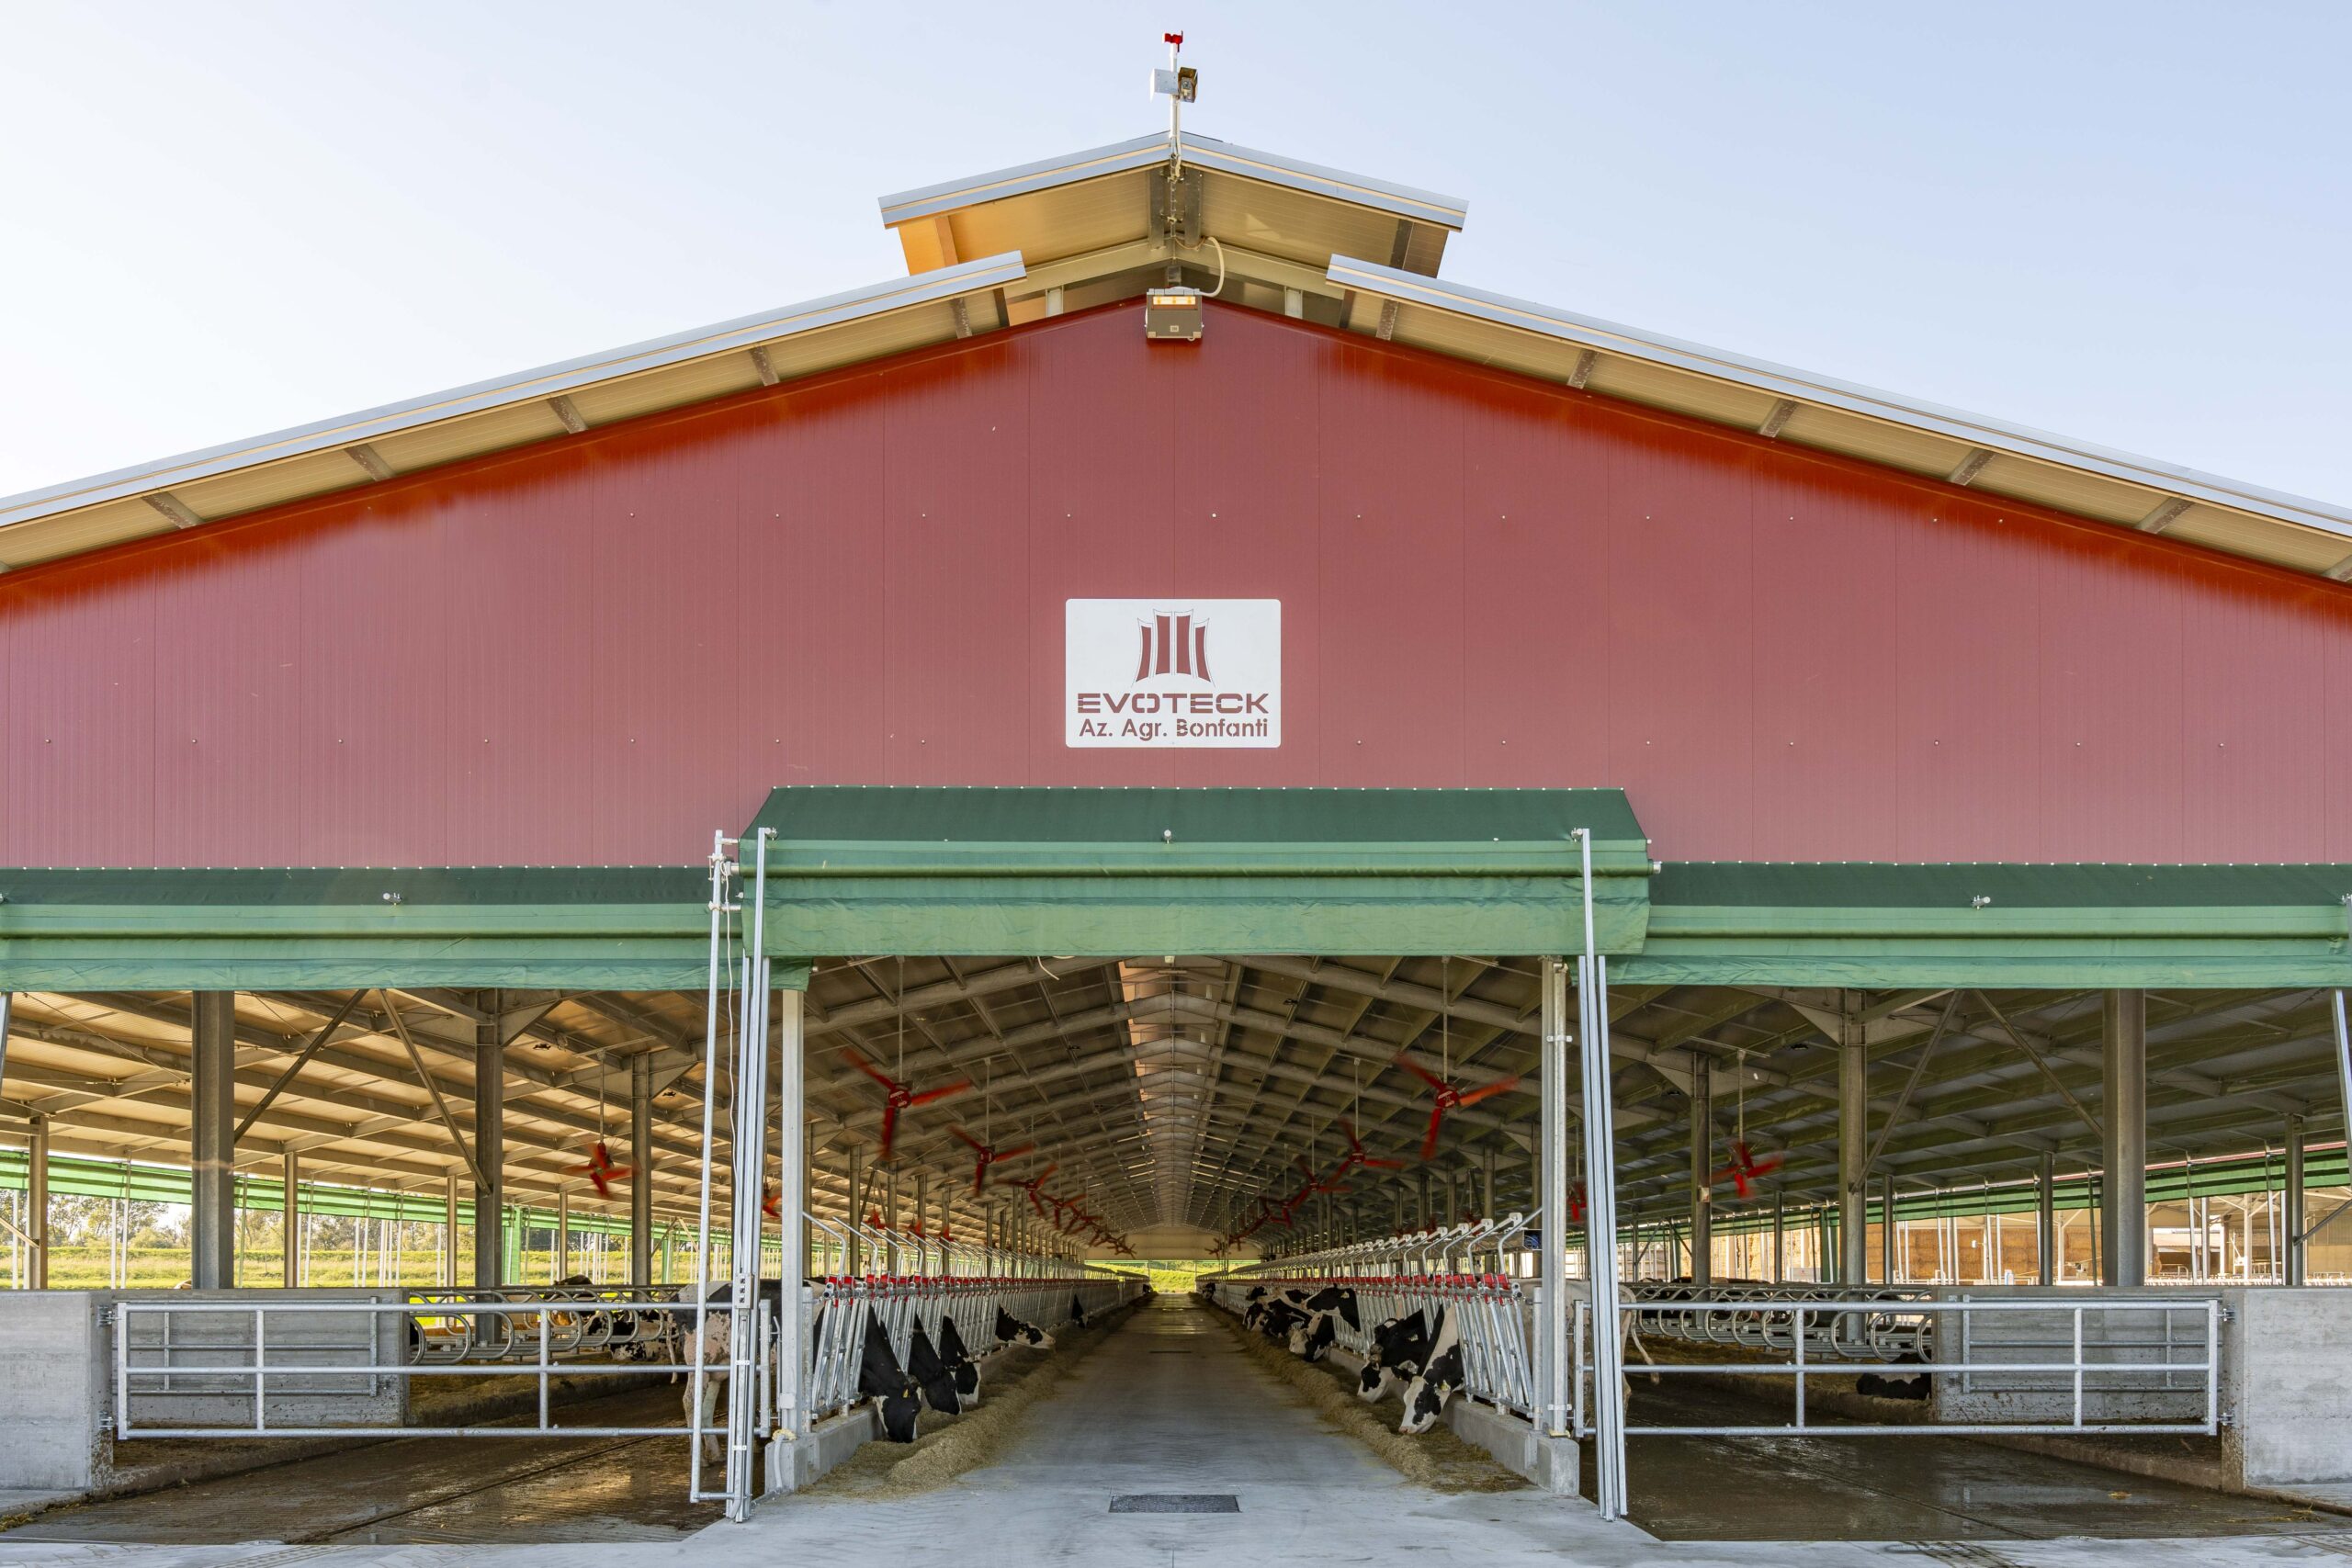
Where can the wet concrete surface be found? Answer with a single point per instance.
(426, 1491)
(1903, 1488)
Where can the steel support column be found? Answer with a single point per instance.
(855, 1261)
(37, 1200)
(2045, 1205)
(1600, 1195)
(449, 1274)
(2297, 1246)
(1780, 1237)
(640, 1169)
(490, 1148)
(2123, 1119)
(1853, 1144)
(290, 1212)
(560, 1265)
(1703, 1207)
(212, 1217)
(1886, 1228)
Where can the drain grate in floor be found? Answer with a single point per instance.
(1176, 1503)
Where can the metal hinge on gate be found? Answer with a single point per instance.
(106, 1318)
(2227, 1315)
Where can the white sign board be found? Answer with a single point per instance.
(1173, 672)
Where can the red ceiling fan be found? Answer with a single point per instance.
(601, 1169)
(897, 1097)
(988, 1157)
(1036, 1188)
(1744, 1168)
(1450, 1097)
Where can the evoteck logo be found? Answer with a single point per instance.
(1191, 644)
(1139, 672)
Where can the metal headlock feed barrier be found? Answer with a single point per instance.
(1429, 1273)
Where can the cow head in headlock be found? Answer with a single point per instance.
(961, 1368)
(1426, 1396)
(881, 1379)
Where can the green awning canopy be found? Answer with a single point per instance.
(599, 928)
(1994, 925)
(1113, 873)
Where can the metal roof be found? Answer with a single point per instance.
(1089, 227)
(1810, 410)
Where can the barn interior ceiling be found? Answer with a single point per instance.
(1177, 1091)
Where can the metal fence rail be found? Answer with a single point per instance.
(2065, 1371)
(253, 1370)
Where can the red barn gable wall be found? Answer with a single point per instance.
(599, 650)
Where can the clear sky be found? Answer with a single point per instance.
(2126, 222)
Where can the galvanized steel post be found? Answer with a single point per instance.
(2123, 1120)
(2298, 1245)
(290, 1215)
(1702, 1229)
(640, 1162)
(2045, 1204)
(1853, 1144)
(489, 1146)
(212, 1217)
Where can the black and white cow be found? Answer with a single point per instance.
(710, 1347)
(1253, 1306)
(1400, 1346)
(1426, 1396)
(964, 1370)
(929, 1371)
(1013, 1331)
(1914, 1386)
(1325, 1310)
(881, 1379)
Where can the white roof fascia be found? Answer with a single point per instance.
(1420, 206)
(546, 381)
(1780, 380)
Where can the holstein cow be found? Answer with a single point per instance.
(710, 1347)
(1915, 1386)
(1314, 1339)
(881, 1379)
(964, 1370)
(1013, 1331)
(929, 1371)
(1425, 1397)
(1400, 1346)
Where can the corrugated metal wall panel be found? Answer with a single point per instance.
(522, 631)
(1825, 689)
(599, 649)
(1392, 653)
(375, 670)
(955, 572)
(2111, 666)
(1968, 702)
(1537, 583)
(1681, 694)
(229, 743)
(82, 720)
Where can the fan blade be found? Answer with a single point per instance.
(890, 1129)
(1382, 1164)
(869, 1070)
(1017, 1151)
(927, 1096)
(980, 1178)
(1428, 1144)
(968, 1138)
(1418, 1071)
(1487, 1091)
